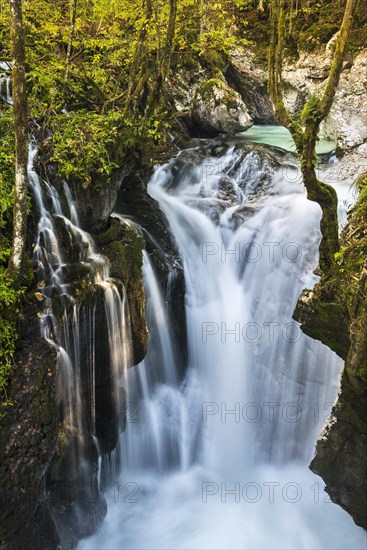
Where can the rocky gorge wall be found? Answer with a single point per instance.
(334, 312)
(207, 105)
(231, 100)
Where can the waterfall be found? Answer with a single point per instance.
(84, 316)
(5, 84)
(220, 459)
(93, 357)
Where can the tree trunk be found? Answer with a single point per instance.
(315, 111)
(171, 29)
(202, 23)
(157, 95)
(70, 44)
(140, 51)
(323, 194)
(16, 263)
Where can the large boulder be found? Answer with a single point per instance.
(250, 79)
(217, 108)
(346, 122)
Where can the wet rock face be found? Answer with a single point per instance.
(335, 312)
(28, 434)
(250, 80)
(217, 108)
(77, 506)
(123, 247)
(135, 204)
(340, 456)
(346, 121)
(323, 316)
(95, 205)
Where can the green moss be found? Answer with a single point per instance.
(206, 90)
(88, 146)
(123, 247)
(328, 313)
(112, 233)
(311, 109)
(213, 60)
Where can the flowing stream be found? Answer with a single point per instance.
(220, 459)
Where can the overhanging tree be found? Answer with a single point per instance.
(305, 130)
(16, 263)
(73, 8)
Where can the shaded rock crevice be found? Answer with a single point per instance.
(28, 435)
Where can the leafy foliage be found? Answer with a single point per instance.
(310, 25)
(95, 135)
(104, 121)
(311, 108)
(9, 297)
(104, 141)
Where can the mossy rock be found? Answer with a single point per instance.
(123, 247)
(335, 312)
(327, 322)
(217, 108)
(213, 60)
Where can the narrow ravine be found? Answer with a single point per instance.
(220, 459)
(183, 275)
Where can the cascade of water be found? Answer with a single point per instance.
(151, 389)
(75, 333)
(217, 459)
(239, 309)
(5, 87)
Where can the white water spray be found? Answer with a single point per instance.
(221, 459)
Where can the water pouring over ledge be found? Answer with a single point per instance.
(88, 324)
(221, 459)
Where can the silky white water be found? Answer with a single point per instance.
(220, 460)
(78, 335)
(5, 85)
